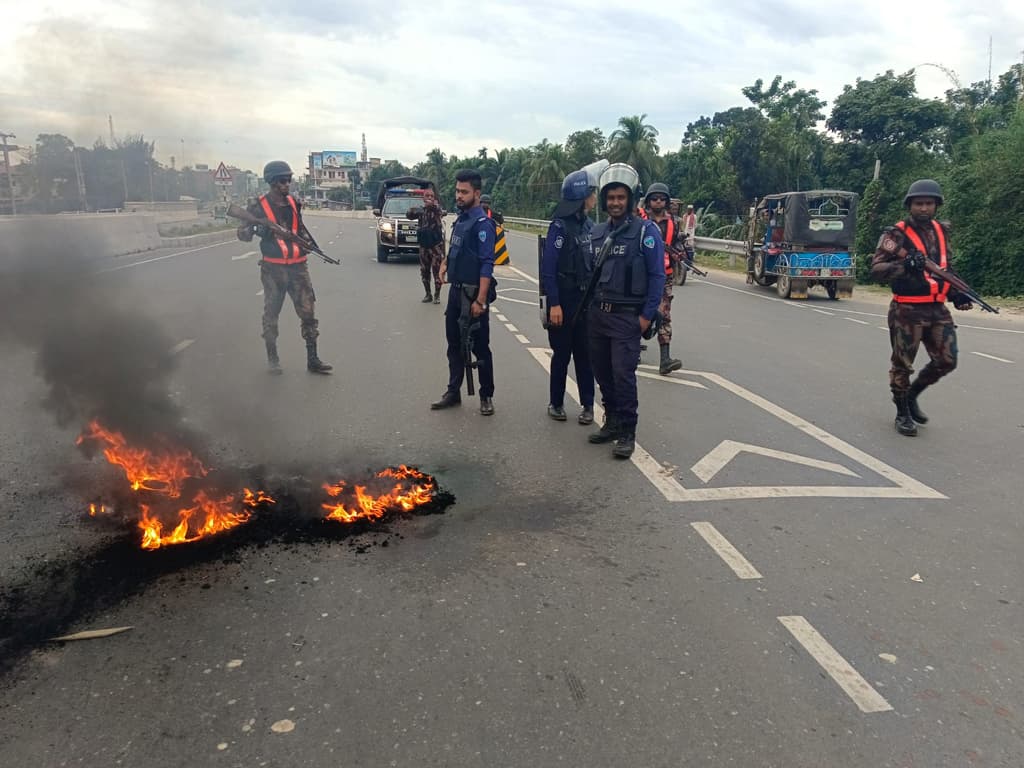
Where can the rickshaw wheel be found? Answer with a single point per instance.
(784, 286)
(759, 274)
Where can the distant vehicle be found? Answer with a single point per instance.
(396, 233)
(797, 240)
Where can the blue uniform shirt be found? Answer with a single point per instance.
(558, 239)
(653, 248)
(473, 238)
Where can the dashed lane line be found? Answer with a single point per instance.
(245, 255)
(164, 257)
(522, 339)
(501, 317)
(855, 320)
(725, 550)
(511, 327)
(992, 357)
(181, 346)
(867, 699)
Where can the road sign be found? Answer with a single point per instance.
(222, 176)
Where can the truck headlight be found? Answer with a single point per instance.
(387, 226)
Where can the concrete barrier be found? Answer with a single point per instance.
(207, 238)
(89, 236)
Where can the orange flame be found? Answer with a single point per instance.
(412, 489)
(220, 514)
(164, 473)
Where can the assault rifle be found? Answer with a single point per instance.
(468, 326)
(305, 240)
(685, 260)
(599, 259)
(959, 285)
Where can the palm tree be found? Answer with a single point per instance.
(636, 143)
(547, 168)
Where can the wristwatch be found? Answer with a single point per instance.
(482, 305)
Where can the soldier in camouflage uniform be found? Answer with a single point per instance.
(283, 268)
(431, 241)
(918, 311)
(674, 236)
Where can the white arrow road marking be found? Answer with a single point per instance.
(846, 677)
(245, 255)
(669, 379)
(727, 450)
(524, 275)
(181, 346)
(732, 557)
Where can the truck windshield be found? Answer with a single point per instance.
(398, 206)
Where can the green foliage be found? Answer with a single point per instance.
(869, 228)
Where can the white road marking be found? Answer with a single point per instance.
(905, 487)
(727, 450)
(992, 357)
(732, 557)
(669, 379)
(330, 242)
(524, 275)
(167, 256)
(259, 292)
(181, 346)
(882, 328)
(511, 327)
(524, 290)
(866, 698)
(517, 301)
(512, 279)
(855, 320)
(522, 339)
(245, 255)
(823, 312)
(501, 317)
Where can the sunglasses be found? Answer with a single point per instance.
(655, 198)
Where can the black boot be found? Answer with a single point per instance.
(273, 362)
(904, 421)
(608, 432)
(668, 364)
(448, 400)
(624, 445)
(426, 287)
(437, 295)
(916, 413)
(313, 363)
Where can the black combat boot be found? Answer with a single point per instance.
(624, 445)
(668, 364)
(313, 363)
(426, 287)
(916, 413)
(273, 361)
(904, 421)
(608, 432)
(437, 295)
(448, 400)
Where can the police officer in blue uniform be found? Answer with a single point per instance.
(469, 267)
(625, 303)
(565, 271)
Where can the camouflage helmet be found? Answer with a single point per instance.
(657, 188)
(276, 168)
(924, 188)
(485, 199)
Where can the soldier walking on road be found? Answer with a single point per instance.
(283, 268)
(674, 237)
(918, 310)
(629, 288)
(431, 242)
(469, 268)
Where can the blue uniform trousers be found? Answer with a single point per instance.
(481, 346)
(614, 339)
(570, 341)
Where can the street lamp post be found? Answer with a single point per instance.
(7, 166)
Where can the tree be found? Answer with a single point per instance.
(55, 179)
(784, 100)
(636, 143)
(584, 147)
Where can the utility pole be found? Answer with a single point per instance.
(7, 167)
(83, 201)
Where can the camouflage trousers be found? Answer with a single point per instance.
(665, 308)
(430, 262)
(280, 280)
(909, 326)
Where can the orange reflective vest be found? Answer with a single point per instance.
(291, 253)
(935, 294)
(670, 233)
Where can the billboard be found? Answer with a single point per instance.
(338, 159)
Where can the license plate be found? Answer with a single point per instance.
(410, 238)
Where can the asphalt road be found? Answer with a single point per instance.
(777, 578)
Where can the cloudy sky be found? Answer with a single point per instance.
(245, 81)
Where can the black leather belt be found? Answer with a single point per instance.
(605, 306)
